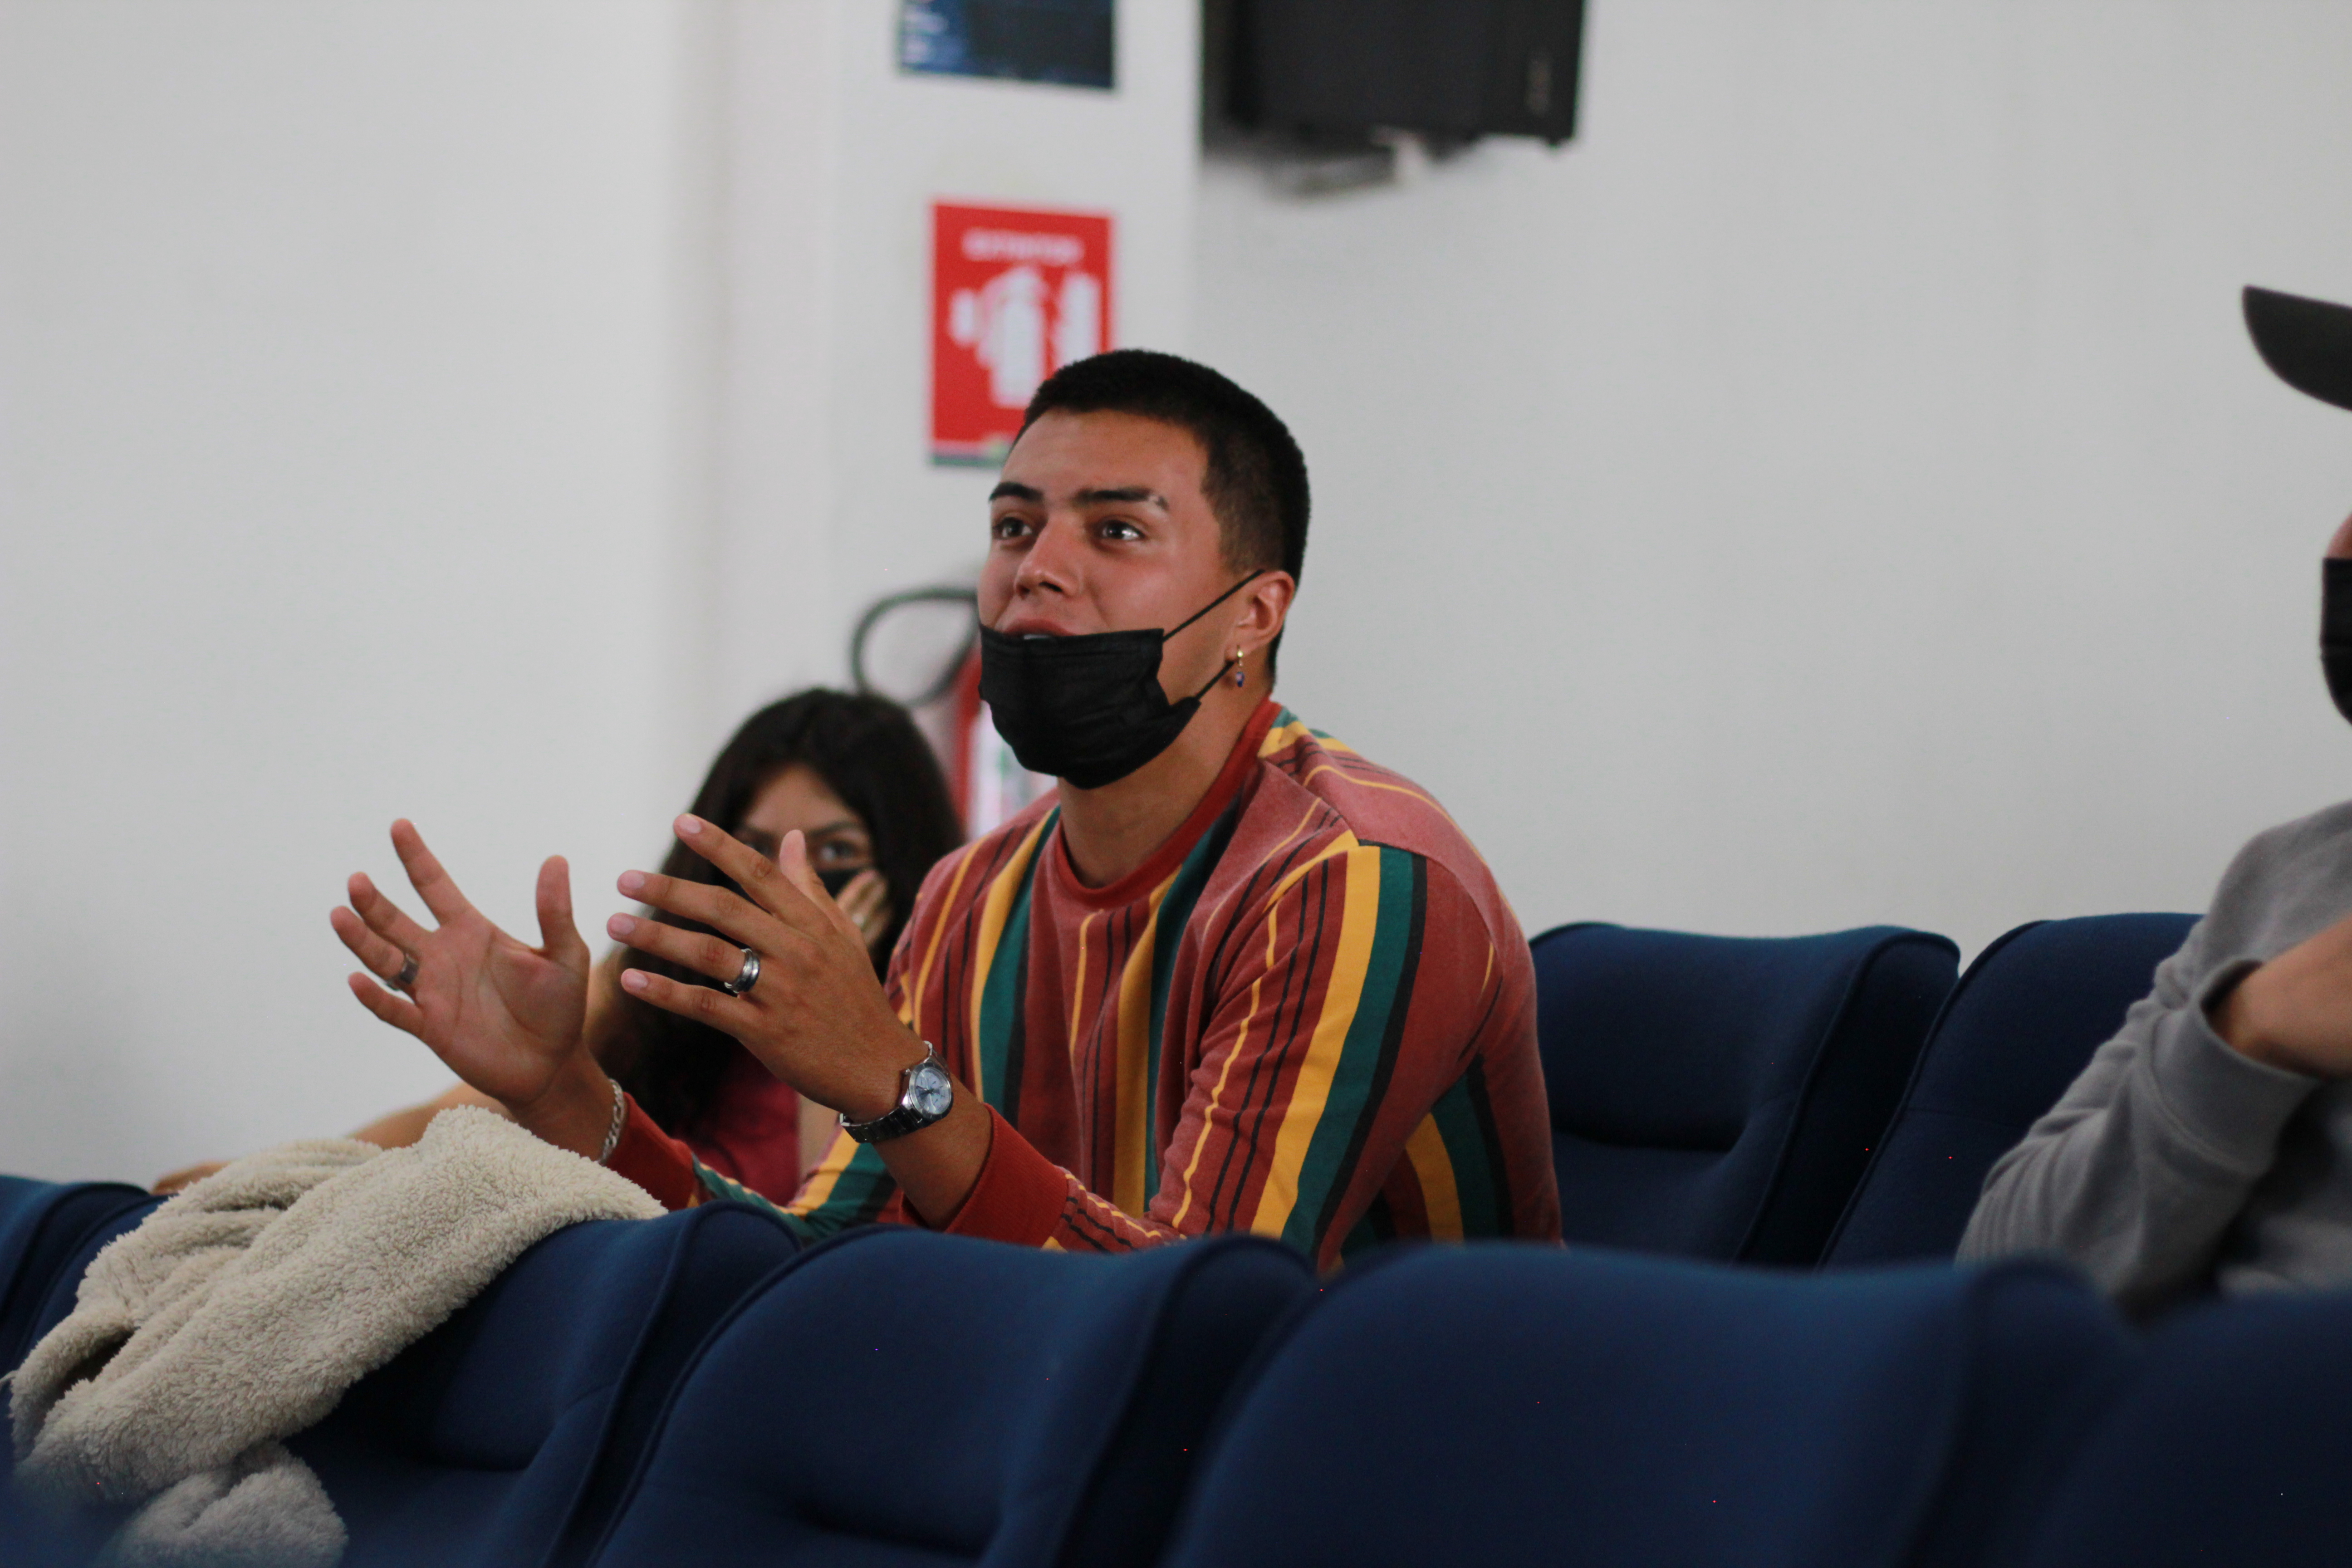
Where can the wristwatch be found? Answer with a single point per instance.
(925, 1094)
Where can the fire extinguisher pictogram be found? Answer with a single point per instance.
(1016, 293)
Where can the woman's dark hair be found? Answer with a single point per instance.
(869, 752)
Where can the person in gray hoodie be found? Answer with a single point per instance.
(2209, 1145)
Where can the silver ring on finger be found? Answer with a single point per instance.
(407, 975)
(745, 977)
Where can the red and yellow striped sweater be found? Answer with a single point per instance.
(1310, 1014)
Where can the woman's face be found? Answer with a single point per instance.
(838, 841)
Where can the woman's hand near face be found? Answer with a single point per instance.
(866, 901)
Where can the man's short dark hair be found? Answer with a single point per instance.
(1255, 481)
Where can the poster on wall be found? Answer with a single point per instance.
(1016, 293)
(1070, 43)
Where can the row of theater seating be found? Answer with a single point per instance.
(694, 1391)
(690, 1390)
(1828, 1101)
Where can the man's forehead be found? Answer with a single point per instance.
(1107, 456)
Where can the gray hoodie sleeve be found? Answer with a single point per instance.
(2136, 1173)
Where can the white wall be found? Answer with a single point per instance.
(347, 361)
(466, 410)
(835, 159)
(1837, 488)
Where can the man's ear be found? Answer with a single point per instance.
(1265, 605)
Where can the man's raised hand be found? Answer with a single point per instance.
(506, 1017)
(815, 1016)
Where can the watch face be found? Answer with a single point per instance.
(930, 1090)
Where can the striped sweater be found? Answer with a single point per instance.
(1309, 1014)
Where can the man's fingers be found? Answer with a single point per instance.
(700, 1002)
(730, 914)
(703, 955)
(384, 959)
(389, 1005)
(383, 916)
(790, 900)
(792, 861)
(558, 936)
(425, 875)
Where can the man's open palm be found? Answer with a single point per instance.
(505, 1017)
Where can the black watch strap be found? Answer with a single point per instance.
(907, 1115)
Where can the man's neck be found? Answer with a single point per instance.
(1112, 830)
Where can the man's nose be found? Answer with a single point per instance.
(1051, 561)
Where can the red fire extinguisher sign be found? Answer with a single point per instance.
(1016, 293)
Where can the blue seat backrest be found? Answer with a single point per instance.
(49, 1233)
(899, 1397)
(2228, 1444)
(2020, 1025)
(519, 1419)
(1718, 1097)
(1501, 1404)
(24, 1204)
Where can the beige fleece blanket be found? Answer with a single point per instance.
(241, 1311)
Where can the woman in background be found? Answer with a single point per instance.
(856, 776)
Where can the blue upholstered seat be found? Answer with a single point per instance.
(2230, 1443)
(519, 1419)
(1502, 1403)
(1718, 1097)
(49, 1234)
(513, 1423)
(2020, 1025)
(898, 1397)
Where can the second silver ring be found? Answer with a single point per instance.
(745, 977)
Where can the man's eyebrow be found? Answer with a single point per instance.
(1126, 495)
(1007, 490)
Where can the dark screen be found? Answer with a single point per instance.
(1448, 67)
(1067, 42)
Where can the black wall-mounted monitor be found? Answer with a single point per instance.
(1450, 70)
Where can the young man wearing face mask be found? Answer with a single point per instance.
(1231, 976)
(2209, 1145)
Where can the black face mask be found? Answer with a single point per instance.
(2336, 631)
(1087, 710)
(834, 880)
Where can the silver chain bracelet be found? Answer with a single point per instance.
(620, 1119)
